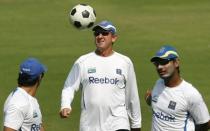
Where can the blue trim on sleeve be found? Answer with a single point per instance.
(14, 91)
(186, 121)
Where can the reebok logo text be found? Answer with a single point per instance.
(105, 80)
(164, 117)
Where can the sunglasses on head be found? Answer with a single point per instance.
(104, 33)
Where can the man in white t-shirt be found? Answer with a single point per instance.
(110, 100)
(21, 109)
(176, 104)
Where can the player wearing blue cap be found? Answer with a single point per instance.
(110, 100)
(21, 109)
(176, 104)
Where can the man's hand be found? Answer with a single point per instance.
(65, 112)
(148, 97)
(8, 129)
(42, 128)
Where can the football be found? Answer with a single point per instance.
(82, 16)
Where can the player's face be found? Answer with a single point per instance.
(166, 68)
(104, 40)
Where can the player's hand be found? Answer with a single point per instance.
(42, 128)
(65, 112)
(148, 97)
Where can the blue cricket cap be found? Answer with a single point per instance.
(106, 25)
(32, 67)
(165, 52)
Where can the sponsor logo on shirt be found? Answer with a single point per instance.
(172, 105)
(35, 127)
(164, 117)
(104, 80)
(154, 99)
(91, 70)
(35, 114)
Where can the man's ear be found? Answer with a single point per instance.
(177, 62)
(114, 38)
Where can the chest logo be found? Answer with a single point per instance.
(119, 71)
(91, 70)
(172, 105)
(155, 98)
(35, 114)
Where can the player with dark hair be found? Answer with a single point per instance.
(21, 109)
(176, 104)
(110, 100)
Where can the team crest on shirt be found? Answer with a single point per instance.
(91, 70)
(119, 71)
(35, 114)
(172, 105)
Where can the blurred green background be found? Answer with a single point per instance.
(41, 29)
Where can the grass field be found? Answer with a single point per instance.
(40, 28)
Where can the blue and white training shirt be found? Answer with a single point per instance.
(177, 108)
(110, 99)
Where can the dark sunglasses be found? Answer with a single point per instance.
(104, 33)
(161, 62)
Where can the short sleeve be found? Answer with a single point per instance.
(198, 108)
(13, 117)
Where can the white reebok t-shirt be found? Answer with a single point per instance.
(109, 92)
(176, 109)
(21, 111)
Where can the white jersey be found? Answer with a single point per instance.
(109, 92)
(177, 108)
(21, 111)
